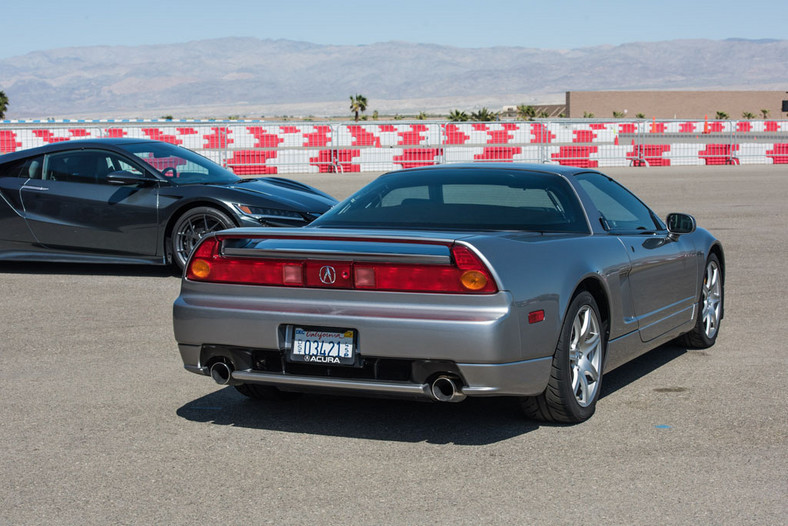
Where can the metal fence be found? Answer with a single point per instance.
(260, 147)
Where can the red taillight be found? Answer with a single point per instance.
(466, 274)
(207, 264)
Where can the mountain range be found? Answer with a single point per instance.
(252, 78)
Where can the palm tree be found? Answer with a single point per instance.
(747, 115)
(458, 116)
(765, 114)
(483, 115)
(3, 104)
(526, 113)
(358, 104)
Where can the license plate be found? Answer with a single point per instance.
(323, 347)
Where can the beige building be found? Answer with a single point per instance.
(676, 104)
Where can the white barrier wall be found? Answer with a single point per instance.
(257, 147)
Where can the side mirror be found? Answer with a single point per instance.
(679, 224)
(122, 178)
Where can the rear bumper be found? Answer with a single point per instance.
(525, 378)
(478, 337)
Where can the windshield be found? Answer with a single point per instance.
(462, 199)
(179, 165)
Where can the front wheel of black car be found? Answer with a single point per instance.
(710, 305)
(576, 374)
(191, 227)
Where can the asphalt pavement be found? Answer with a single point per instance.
(100, 424)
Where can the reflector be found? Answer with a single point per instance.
(536, 316)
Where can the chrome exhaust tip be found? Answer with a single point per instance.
(446, 389)
(222, 373)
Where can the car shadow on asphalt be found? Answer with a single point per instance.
(87, 269)
(475, 421)
(639, 367)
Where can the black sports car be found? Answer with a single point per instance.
(133, 201)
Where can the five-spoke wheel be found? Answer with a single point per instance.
(576, 375)
(710, 307)
(585, 356)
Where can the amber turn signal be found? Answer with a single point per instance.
(473, 280)
(200, 268)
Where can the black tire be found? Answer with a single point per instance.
(576, 375)
(193, 225)
(710, 307)
(265, 392)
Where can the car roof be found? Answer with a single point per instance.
(545, 168)
(75, 145)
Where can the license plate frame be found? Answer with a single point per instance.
(323, 346)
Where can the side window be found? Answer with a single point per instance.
(84, 166)
(122, 164)
(29, 168)
(620, 209)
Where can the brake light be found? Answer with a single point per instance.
(465, 274)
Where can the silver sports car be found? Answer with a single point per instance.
(453, 281)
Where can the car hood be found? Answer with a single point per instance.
(292, 194)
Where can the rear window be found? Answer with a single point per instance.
(463, 199)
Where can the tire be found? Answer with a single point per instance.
(576, 374)
(265, 392)
(191, 227)
(710, 308)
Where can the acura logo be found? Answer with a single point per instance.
(328, 275)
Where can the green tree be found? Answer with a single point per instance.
(618, 114)
(3, 104)
(483, 115)
(587, 115)
(525, 112)
(458, 116)
(747, 115)
(765, 114)
(358, 104)
(721, 116)
(641, 115)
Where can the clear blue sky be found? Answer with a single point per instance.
(33, 25)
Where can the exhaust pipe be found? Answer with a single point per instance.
(222, 373)
(446, 389)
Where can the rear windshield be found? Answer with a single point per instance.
(462, 199)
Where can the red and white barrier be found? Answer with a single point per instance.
(254, 147)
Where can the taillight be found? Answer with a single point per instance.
(465, 274)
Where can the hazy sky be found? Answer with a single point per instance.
(33, 25)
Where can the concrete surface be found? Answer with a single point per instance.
(101, 425)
